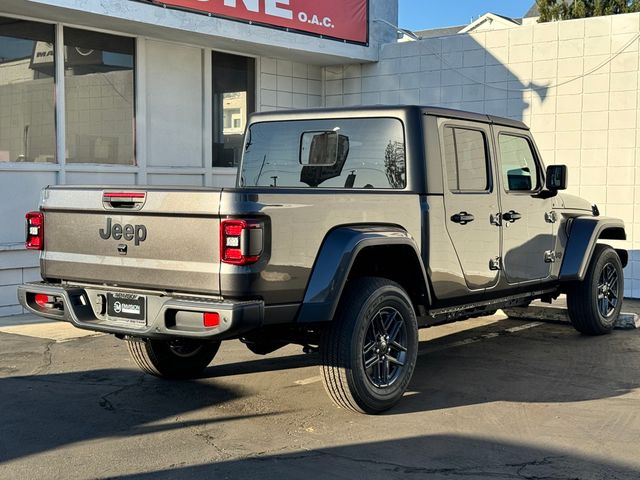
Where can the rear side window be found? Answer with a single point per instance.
(336, 153)
(519, 169)
(465, 154)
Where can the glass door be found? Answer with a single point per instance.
(233, 101)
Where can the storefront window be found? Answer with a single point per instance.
(27, 110)
(233, 101)
(99, 88)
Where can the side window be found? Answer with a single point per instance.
(519, 168)
(466, 159)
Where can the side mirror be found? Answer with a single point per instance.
(556, 177)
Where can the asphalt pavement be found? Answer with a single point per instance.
(491, 398)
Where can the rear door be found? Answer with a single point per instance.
(527, 216)
(471, 200)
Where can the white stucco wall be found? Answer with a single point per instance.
(540, 74)
(285, 84)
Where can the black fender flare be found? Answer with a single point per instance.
(334, 261)
(583, 235)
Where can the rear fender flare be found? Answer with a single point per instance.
(334, 261)
(583, 236)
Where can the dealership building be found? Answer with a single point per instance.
(130, 92)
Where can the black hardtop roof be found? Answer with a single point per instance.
(380, 110)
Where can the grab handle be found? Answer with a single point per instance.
(124, 200)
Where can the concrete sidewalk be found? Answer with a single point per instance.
(628, 306)
(557, 312)
(33, 326)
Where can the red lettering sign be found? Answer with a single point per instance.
(338, 19)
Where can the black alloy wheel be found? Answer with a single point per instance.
(594, 304)
(384, 354)
(608, 290)
(370, 349)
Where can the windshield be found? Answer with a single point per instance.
(334, 153)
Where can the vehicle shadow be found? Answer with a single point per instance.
(433, 457)
(549, 363)
(262, 365)
(46, 411)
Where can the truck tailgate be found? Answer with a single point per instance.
(158, 238)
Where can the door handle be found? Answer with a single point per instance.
(463, 218)
(511, 216)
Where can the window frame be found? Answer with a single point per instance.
(488, 159)
(536, 160)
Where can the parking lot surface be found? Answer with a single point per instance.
(490, 398)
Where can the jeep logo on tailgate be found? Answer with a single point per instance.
(129, 232)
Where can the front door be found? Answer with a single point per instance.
(471, 200)
(527, 216)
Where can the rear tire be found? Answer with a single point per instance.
(594, 304)
(369, 352)
(178, 359)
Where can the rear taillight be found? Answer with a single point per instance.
(35, 231)
(241, 241)
(108, 195)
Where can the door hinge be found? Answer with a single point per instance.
(496, 219)
(495, 264)
(551, 217)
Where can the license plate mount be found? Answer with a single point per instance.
(127, 307)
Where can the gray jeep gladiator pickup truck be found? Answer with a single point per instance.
(347, 231)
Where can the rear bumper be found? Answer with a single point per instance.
(166, 316)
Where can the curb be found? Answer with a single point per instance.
(626, 321)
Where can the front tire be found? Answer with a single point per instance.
(370, 350)
(178, 359)
(594, 304)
